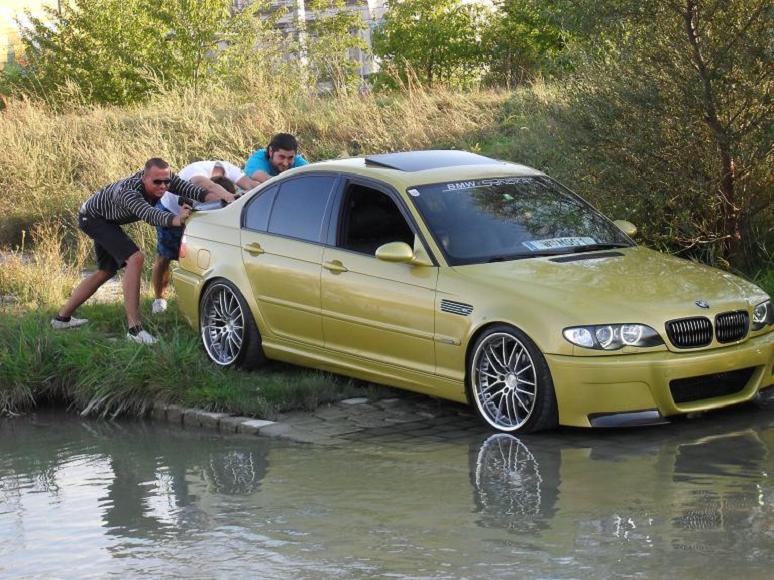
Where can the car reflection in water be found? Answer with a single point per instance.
(692, 487)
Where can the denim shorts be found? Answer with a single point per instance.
(168, 239)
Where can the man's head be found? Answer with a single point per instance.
(155, 177)
(224, 182)
(282, 151)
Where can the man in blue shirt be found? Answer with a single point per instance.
(279, 156)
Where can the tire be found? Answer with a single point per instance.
(228, 330)
(509, 382)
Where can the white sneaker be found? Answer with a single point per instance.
(142, 337)
(72, 323)
(159, 306)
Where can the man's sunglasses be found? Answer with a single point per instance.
(162, 181)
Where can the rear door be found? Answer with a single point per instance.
(282, 251)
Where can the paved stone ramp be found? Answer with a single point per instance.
(361, 419)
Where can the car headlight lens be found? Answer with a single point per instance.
(612, 336)
(763, 314)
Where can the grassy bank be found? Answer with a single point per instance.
(96, 371)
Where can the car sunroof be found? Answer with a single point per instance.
(433, 159)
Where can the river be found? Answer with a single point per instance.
(82, 498)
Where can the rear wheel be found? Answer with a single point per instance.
(228, 330)
(510, 383)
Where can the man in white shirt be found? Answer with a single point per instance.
(216, 177)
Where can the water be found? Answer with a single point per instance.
(96, 499)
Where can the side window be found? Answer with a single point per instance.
(257, 212)
(299, 209)
(370, 218)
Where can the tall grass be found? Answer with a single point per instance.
(52, 162)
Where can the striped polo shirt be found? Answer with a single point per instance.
(124, 201)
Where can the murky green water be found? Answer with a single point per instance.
(83, 498)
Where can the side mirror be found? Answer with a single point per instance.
(626, 227)
(401, 252)
(395, 252)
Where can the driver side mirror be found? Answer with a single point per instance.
(626, 227)
(400, 252)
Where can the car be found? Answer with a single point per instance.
(476, 280)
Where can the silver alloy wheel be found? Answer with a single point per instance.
(504, 381)
(222, 324)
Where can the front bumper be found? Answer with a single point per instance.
(638, 385)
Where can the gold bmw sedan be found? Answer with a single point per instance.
(475, 280)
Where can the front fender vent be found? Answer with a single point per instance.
(456, 307)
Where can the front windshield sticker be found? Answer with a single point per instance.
(553, 243)
(413, 193)
(493, 182)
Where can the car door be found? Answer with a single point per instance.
(282, 252)
(374, 309)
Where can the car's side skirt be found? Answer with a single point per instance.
(364, 369)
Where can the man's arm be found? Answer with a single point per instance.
(246, 183)
(191, 190)
(138, 205)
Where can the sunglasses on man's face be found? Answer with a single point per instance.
(161, 181)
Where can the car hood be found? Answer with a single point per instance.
(628, 285)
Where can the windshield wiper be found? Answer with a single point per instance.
(508, 257)
(592, 247)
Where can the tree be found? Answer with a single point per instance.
(681, 100)
(437, 40)
(522, 38)
(107, 48)
(332, 36)
(118, 51)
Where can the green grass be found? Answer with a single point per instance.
(98, 372)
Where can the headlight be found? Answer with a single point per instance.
(763, 314)
(612, 336)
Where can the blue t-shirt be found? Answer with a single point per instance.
(259, 161)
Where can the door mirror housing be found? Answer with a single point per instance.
(401, 252)
(395, 252)
(626, 227)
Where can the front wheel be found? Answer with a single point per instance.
(510, 383)
(228, 330)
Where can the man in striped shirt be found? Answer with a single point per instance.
(101, 217)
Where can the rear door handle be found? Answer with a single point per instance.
(254, 249)
(335, 266)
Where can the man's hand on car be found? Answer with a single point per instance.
(185, 213)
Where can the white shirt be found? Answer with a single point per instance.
(203, 169)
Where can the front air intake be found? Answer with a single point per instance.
(709, 386)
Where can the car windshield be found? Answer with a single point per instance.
(511, 218)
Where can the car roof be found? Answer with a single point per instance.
(422, 167)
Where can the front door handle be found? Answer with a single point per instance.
(254, 249)
(335, 266)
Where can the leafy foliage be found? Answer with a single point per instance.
(436, 40)
(121, 51)
(334, 36)
(522, 38)
(682, 101)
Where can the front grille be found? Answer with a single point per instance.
(709, 386)
(731, 326)
(690, 332)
